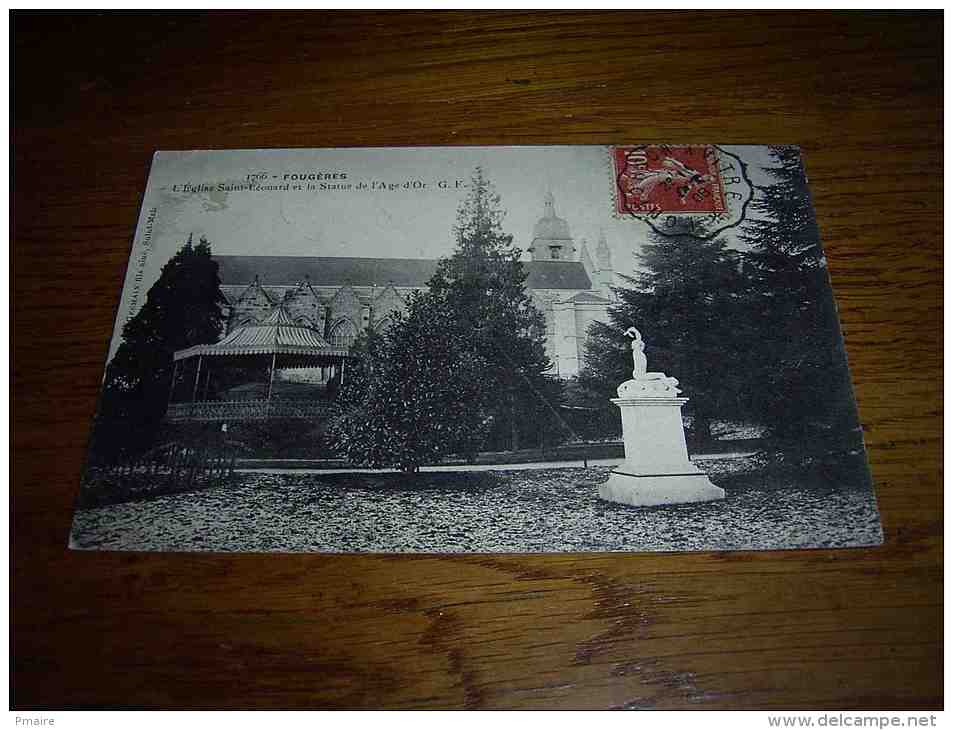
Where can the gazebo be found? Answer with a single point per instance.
(278, 344)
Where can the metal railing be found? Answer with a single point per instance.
(166, 469)
(246, 410)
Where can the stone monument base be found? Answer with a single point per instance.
(646, 490)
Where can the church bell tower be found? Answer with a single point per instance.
(551, 238)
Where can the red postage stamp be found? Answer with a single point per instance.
(658, 178)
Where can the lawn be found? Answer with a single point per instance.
(545, 510)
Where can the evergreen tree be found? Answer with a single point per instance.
(464, 365)
(689, 305)
(607, 362)
(804, 393)
(484, 283)
(183, 308)
(415, 392)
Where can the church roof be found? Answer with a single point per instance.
(557, 275)
(339, 271)
(256, 291)
(278, 334)
(588, 297)
(325, 270)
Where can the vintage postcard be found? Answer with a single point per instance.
(477, 349)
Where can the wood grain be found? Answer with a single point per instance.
(94, 95)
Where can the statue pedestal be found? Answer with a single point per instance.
(656, 469)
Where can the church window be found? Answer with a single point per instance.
(383, 323)
(554, 252)
(343, 334)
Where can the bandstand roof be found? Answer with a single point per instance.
(276, 335)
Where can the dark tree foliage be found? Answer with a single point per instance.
(607, 363)
(413, 393)
(484, 283)
(463, 368)
(689, 305)
(752, 335)
(804, 393)
(183, 308)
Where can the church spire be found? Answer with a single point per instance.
(586, 260)
(549, 205)
(603, 253)
(605, 275)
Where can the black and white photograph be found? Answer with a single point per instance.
(477, 350)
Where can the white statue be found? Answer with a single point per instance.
(657, 469)
(639, 362)
(640, 367)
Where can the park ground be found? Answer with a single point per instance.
(540, 509)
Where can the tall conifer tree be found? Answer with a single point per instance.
(183, 308)
(484, 282)
(804, 393)
(465, 360)
(688, 303)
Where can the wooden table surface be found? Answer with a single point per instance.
(95, 95)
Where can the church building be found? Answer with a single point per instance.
(338, 297)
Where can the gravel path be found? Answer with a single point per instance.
(546, 510)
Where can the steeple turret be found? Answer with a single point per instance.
(605, 275)
(551, 238)
(603, 254)
(586, 260)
